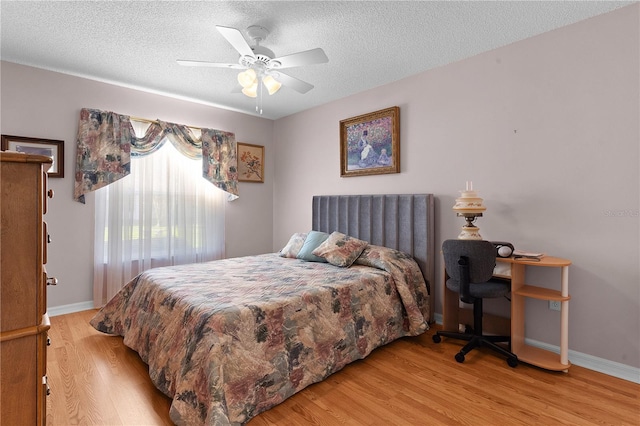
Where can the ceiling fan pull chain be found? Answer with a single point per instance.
(260, 94)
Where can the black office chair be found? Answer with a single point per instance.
(469, 265)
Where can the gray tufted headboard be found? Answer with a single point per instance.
(403, 222)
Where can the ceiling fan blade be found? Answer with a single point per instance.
(235, 38)
(209, 64)
(294, 83)
(308, 57)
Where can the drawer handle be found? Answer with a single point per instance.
(48, 239)
(52, 281)
(45, 382)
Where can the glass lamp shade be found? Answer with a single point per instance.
(469, 203)
(469, 206)
(464, 207)
(251, 91)
(247, 78)
(271, 84)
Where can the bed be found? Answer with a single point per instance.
(229, 339)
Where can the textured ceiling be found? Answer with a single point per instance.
(369, 44)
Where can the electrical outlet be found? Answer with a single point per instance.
(554, 305)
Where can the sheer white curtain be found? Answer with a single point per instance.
(163, 213)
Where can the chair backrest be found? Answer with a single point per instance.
(478, 260)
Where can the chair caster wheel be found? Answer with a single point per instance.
(512, 362)
(436, 338)
(460, 357)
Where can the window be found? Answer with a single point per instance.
(163, 213)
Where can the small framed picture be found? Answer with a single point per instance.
(47, 147)
(370, 143)
(250, 163)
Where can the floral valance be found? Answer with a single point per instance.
(106, 141)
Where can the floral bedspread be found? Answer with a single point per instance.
(232, 338)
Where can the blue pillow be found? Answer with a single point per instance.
(313, 240)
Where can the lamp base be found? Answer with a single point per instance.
(470, 233)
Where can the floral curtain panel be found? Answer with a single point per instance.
(106, 141)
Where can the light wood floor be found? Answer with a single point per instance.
(96, 380)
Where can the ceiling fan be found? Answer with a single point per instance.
(261, 64)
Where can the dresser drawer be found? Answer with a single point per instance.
(19, 377)
(45, 242)
(41, 370)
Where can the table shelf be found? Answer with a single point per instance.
(519, 292)
(542, 358)
(541, 293)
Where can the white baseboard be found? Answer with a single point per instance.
(591, 362)
(69, 309)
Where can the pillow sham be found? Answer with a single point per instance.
(313, 240)
(340, 249)
(294, 245)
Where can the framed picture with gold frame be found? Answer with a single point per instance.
(250, 162)
(47, 147)
(370, 143)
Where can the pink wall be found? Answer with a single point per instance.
(548, 131)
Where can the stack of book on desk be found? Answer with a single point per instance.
(527, 255)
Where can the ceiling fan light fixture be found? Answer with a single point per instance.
(271, 84)
(247, 78)
(252, 90)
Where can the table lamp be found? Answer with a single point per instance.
(469, 206)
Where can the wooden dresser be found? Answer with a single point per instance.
(23, 303)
